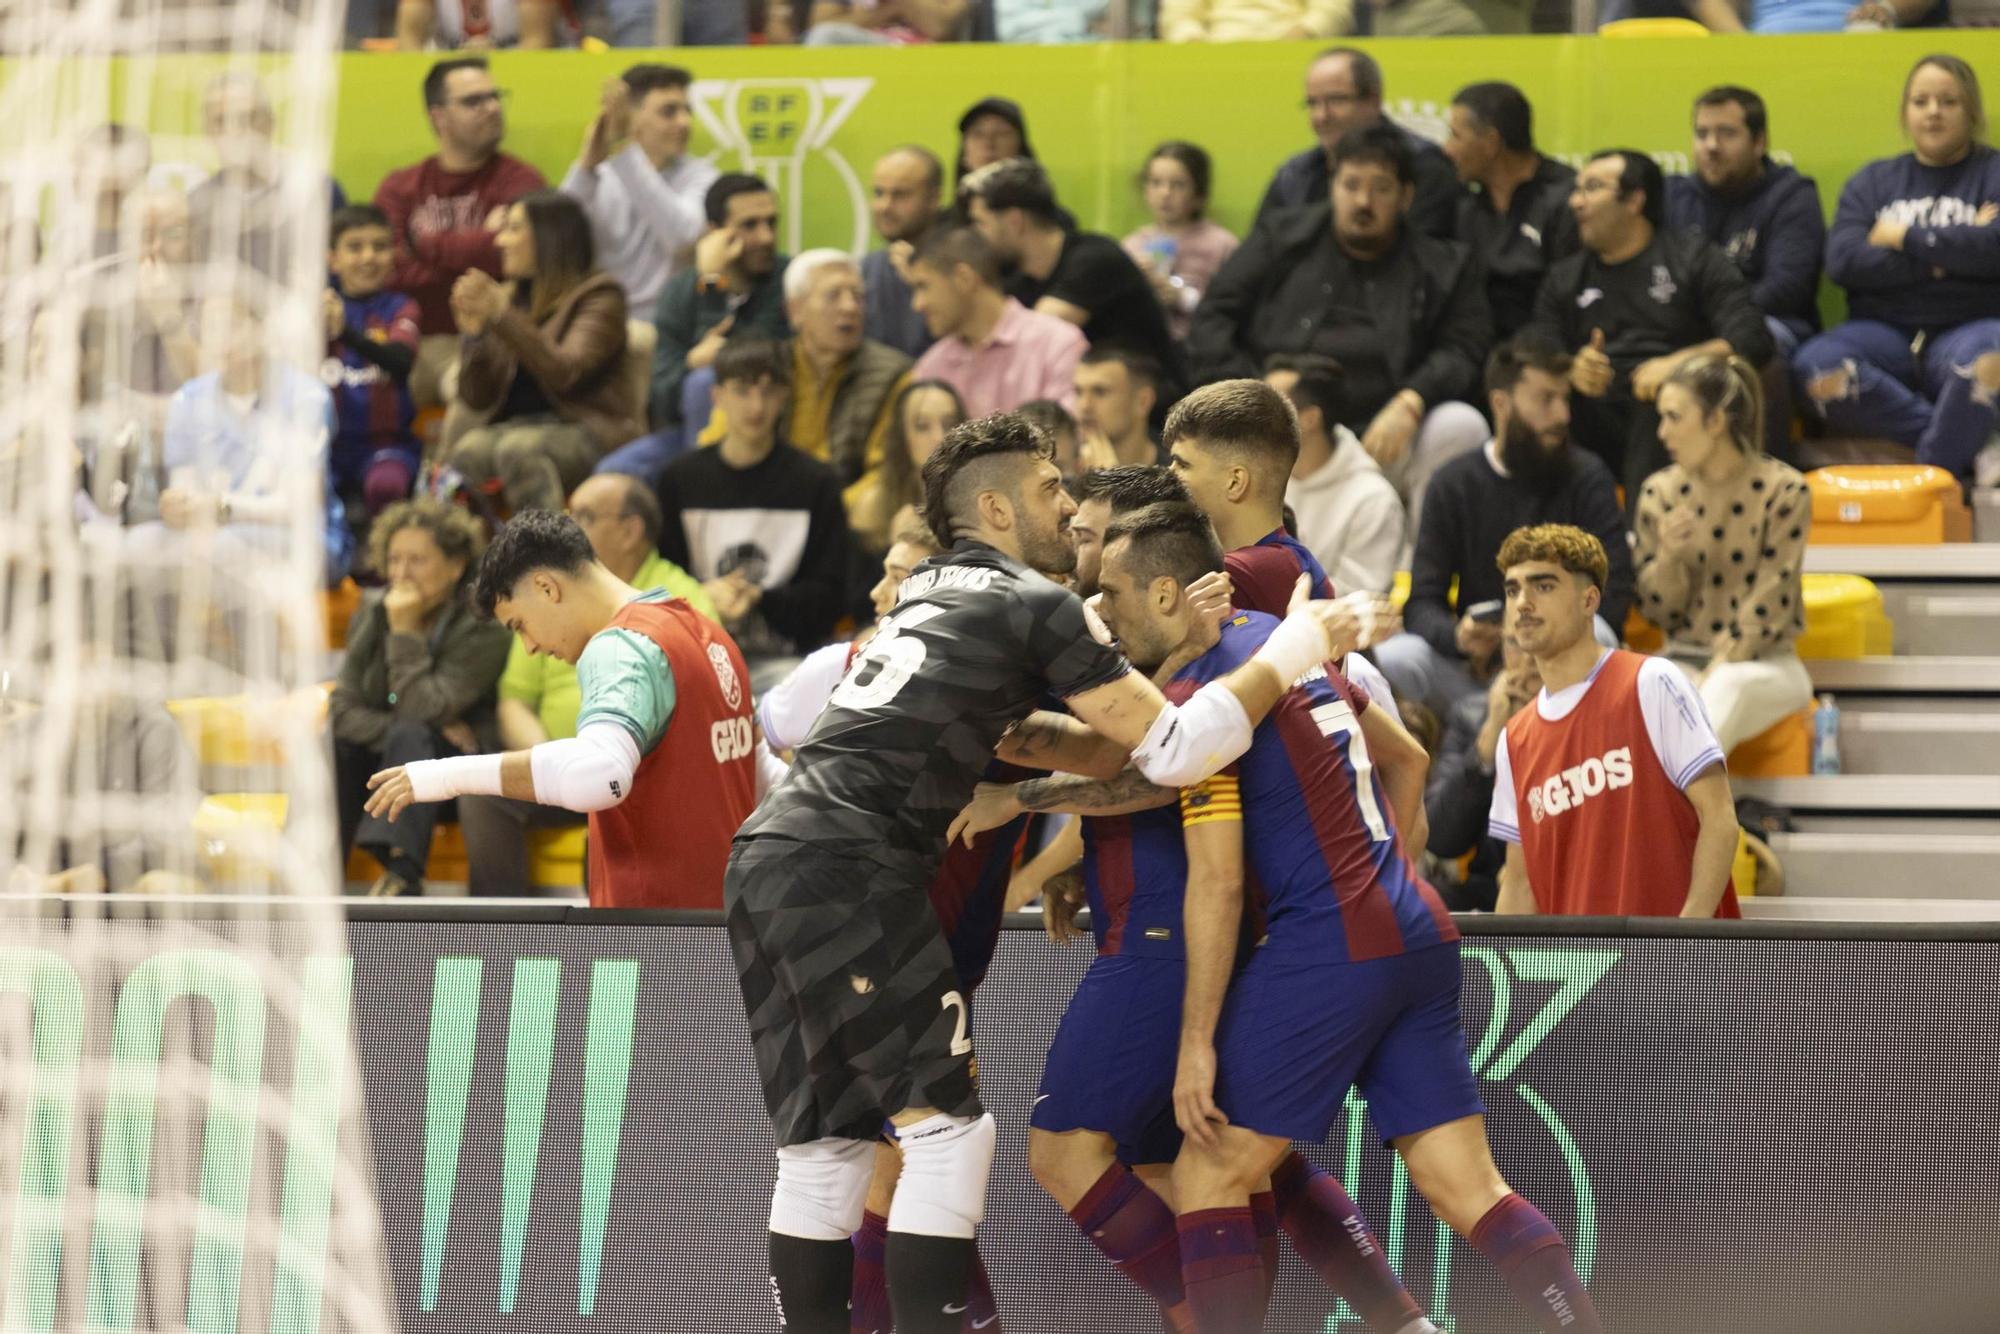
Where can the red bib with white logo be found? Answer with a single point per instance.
(1604, 831)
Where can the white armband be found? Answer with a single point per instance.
(591, 771)
(1295, 647)
(454, 776)
(1188, 743)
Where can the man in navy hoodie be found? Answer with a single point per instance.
(1916, 243)
(1764, 216)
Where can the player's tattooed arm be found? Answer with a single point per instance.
(1046, 740)
(994, 804)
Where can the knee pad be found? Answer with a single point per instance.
(822, 1187)
(946, 1160)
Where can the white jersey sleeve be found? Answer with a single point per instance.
(790, 708)
(1503, 817)
(1368, 676)
(1676, 722)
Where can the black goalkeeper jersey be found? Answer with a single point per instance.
(976, 641)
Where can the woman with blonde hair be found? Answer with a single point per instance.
(419, 679)
(1721, 539)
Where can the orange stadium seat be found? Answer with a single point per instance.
(340, 603)
(1783, 750)
(1887, 505)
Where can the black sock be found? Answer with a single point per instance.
(929, 1278)
(810, 1281)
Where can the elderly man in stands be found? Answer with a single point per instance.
(904, 203)
(1344, 94)
(1514, 212)
(446, 210)
(1403, 313)
(539, 695)
(844, 386)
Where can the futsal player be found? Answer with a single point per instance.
(1616, 742)
(1356, 982)
(662, 756)
(854, 1009)
(968, 895)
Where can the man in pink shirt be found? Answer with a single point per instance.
(996, 352)
(442, 210)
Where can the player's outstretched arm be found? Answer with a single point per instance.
(994, 804)
(1211, 918)
(1715, 845)
(1517, 897)
(1178, 745)
(591, 771)
(1045, 740)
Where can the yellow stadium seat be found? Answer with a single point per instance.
(1844, 619)
(339, 604)
(236, 731)
(236, 836)
(1887, 505)
(555, 856)
(1783, 750)
(1743, 871)
(1399, 591)
(1653, 28)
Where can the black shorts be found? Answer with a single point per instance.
(855, 1010)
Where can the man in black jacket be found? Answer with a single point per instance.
(1633, 304)
(1514, 212)
(1403, 313)
(1529, 473)
(1344, 94)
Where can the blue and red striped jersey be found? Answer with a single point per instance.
(969, 891)
(372, 410)
(1262, 576)
(1318, 832)
(1134, 879)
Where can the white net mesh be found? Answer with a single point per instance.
(180, 1140)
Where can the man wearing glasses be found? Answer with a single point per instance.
(445, 210)
(1344, 92)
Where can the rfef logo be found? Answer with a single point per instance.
(778, 129)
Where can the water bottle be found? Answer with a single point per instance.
(1826, 737)
(1161, 252)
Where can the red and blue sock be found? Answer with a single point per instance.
(1135, 1230)
(1330, 1233)
(1532, 1257)
(1222, 1270)
(868, 1307)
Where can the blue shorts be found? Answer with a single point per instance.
(1295, 1036)
(1111, 1066)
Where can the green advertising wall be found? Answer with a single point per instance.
(1093, 111)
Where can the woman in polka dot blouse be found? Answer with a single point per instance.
(1721, 539)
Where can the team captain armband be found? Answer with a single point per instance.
(1218, 797)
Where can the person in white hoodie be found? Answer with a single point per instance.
(1348, 513)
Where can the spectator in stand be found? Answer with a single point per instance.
(1632, 305)
(446, 209)
(1181, 249)
(1046, 22)
(544, 358)
(1115, 395)
(1514, 213)
(371, 344)
(993, 129)
(758, 522)
(1343, 94)
(1344, 510)
(843, 385)
(166, 350)
(112, 162)
(703, 23)
(1403, 313)
(1255, 20)
(994, 351)
(1783, 16)
(1720, 545)
(1528, 473)
(1916, 243)
(539, 695)
(480, 25)
(644, 198)
(885, 22)
(236, 440)
(1764, 216)
(907, 186)
(418, 679)
(1458, 795)
(244, 195)
(922, 414)
(1054, 420)
(736, 289)
(1615, 743)
(1082, 277)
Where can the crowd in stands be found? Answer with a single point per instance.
(1475, 338)
(471, 25)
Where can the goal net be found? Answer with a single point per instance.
(181, 1145)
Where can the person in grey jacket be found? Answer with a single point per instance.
(418, 681)
(1404, 314)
